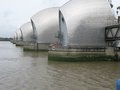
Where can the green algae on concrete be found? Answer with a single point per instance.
(78, 56)
(36, 47)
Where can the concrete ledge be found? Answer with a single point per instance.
(36, 47)
(13, 41)
(19, 43)
(73, 56)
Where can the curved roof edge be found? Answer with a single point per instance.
(42, 10)
(27, 31)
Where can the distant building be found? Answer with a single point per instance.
(82, 23)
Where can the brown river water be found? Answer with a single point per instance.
(21, 70)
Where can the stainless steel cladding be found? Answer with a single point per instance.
(83, 22)
(46, 25)
(27, 32)
(15, 37)
(18, 35)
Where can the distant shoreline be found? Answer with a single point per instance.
(5, 39)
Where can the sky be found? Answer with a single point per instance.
(116, 3)
(14, 13)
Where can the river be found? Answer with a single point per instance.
(21, 70)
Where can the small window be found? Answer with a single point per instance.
(62, 19)
(111, 5)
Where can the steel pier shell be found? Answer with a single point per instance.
(82, 23)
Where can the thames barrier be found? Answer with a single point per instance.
(91, 32)
(72, 47)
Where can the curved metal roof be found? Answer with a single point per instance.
(18, 35)
(46, 24)
(82, 22)
(27, 31)
(14, 36)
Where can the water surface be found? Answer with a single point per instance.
(32, 71)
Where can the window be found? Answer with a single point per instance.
(111, 5)
(63, 19)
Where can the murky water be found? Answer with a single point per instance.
(32, 71)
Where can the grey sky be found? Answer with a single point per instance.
(14, 13)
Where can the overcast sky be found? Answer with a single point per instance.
(14, 13)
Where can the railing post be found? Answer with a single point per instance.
(118, 84)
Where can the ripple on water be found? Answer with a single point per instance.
(32, 71)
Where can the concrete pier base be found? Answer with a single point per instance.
(20, 43)
(30, 47)
(23, 43)
(36, 47)
(13, 41)
(110, 51)
(76, 55)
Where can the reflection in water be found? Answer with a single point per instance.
(32, 71)
(34, 54)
